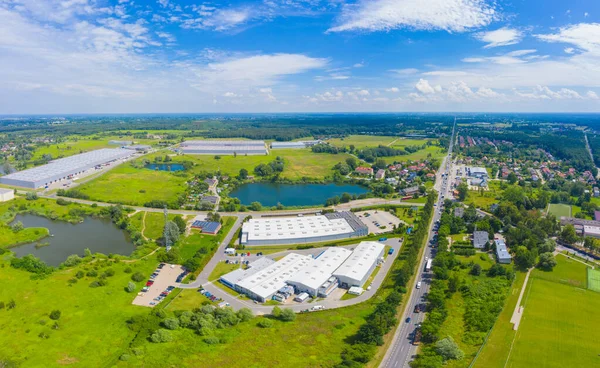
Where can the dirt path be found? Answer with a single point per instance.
(392, 142)
(144, 226)
(518, 313)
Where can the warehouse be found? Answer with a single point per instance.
(232, 278)
(64, 168)
(207, 227)
(358, 267)
(502, 252)
(478, 172)
(267, 282)
(224, 148)
(293, 145)
(6, 194)
(306, 229)
(319, 271)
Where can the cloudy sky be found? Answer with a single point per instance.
(121, 56)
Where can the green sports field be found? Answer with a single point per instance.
(559, 210)
(593, 279)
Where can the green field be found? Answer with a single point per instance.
(593, 279)
(363, 141)
(559, 210)
(484, 199)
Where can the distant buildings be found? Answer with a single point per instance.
(362, 170)
(410, 190)
(380, 174)
(217, 147)
(477, 172)
(294, 145)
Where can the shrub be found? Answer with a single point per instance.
(171, 323)
(276, 312)
(160, 336)
(211, 340)
(124, 357)
(287, 315)
(137, 277)
(128, 270)
(265, 323)
(72, 260)
(108, 273)
(31, 196)
(11, 305)
(79, 274)
(92, 273)
(55, 315)
(130, 287)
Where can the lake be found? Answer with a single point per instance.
(269, 194)
(99, 235)
(165, 167)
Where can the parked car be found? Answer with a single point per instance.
(419, 285)
(408, 320)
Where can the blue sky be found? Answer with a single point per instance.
(121, 56)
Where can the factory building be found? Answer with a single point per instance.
(357, 268)
(477, 172)
(293, 145)
(216, 147)
(306, 229)
(64, 168)
(265, 283)
(319, 271)
(232, 278)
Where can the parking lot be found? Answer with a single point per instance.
(378, 222)
(159, 285)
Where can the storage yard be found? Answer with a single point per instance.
(297, 274)
(217, 147)
(302, 229)
(66, 169)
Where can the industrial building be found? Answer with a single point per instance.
(357, 268)
(64, 168)
(478, 172)
(591, 231)
(502, 252)
(293, 145)
(207, 227)
(216, 147)
(319, 271)
(232, 278)
(6, 194)
(265, 283)
(306, 229)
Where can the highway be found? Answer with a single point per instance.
(402, 350)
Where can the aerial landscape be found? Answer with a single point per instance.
(299, 183)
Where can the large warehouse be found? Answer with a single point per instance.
(215, 147)
(266, 279)
(64, 168)
(319, 271)
(306, 229)
(358, 267)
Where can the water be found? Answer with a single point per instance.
(99, 235)
(165, 167)
(269, 194)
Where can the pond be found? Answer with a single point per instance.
(269, 194)
(99, 235)
(165, 167)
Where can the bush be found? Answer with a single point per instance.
(276, 312)
(92, 273)
(287, 315)
(124, 357)
(448, 349)
(128, 270)
(137, 277)
(130, 287)
(55, 315)
(72, 260)
(160, 336)
(79, 274)
(31, 196)
(212, 340)
(108, 273)
(265, 323)
(171, 323)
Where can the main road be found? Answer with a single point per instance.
(402, 350)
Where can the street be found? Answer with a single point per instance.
(402, 350)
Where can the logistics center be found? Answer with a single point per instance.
(216, 147)
(65, 168)
(265, 279)
(305, 229)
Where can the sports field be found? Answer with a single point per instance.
(593, 280)
(559, 210)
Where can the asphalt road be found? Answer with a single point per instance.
(402, 351)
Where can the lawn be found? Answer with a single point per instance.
(221, 269)
(8, 238)
(363, 141)
(304, 163)
(593, 279)
(407, 214)
(131, 186)
(155, 224)
(484, 199)
(559, 210)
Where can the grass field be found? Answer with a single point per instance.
(486, 198)
(363, 141)
(221, 269)
(559, 210)
(593, 279)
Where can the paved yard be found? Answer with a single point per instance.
(167, 276)
(383, 218)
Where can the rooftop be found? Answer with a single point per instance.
(319, 270)
(295, 227)
(361, 260)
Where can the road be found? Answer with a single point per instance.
(401, 350)
(589, 149)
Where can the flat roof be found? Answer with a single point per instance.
(477, 169)
(360, 261)
(269, 280)
(222, 143)
(501, 250)
(592, 230)
(208, 226)
(235, 276)
(69, 165)
(6, 190)
(295, 227)
(320, 269)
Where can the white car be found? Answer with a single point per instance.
(419, 285)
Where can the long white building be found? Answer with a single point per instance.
(64, 168)
(319, 270)
(297, 230)
(358, 267)
(222, 147)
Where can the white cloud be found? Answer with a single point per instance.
(510, 58)
(545, 93)
(405, 71)
(500, 37)
(358, 65)
(569, 50)
(585, 36)
(229, 94)
(385, 15)
(591, 95)
(425, 88)
(393, 90)
(363, 92)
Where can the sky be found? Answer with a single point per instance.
(169, 56)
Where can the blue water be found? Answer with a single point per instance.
(269, 194)
(165, 167)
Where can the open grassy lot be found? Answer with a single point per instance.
(433, 152)
(221, 269)
(363, 141)
(128, 185)
(593, 279)
(484, 199)
(559, 210)
(154, 223)
(304, 163)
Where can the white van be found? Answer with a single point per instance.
(230, 251)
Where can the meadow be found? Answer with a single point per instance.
(559, 210)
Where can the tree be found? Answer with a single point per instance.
(380, 164)
(137, 277)
(276, 312)
(524, 258)
(512, 178)
(17, 226)
(243, 175)
(171, 233)
(181, 224)
(476, 270)
(463, 190)
(255, 206)
(569, 235)
(171, 323)
(265, 323)
(351, 161)
(287, 315)
(245, 314)
(31, 196)
(448, 349)
(130, 287)
(161, 335)
(55, 315)
(547, 261)
(72, 260)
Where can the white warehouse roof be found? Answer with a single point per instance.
(61, 168)
(294, 227)
(223, 143)
(357, 266)
(320, 269)
(269, 280)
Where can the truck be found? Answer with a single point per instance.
(428, 265)
(230, 251)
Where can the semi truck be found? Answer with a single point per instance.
(428, 265)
